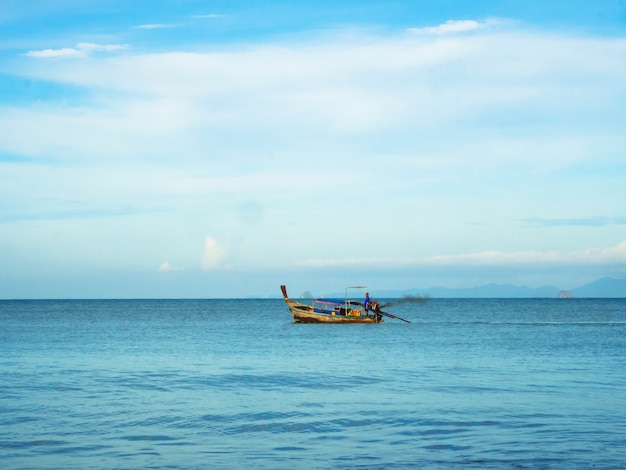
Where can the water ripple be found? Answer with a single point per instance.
(208, 384)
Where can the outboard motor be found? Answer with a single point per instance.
(375, 307)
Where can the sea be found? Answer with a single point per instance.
(235, 384)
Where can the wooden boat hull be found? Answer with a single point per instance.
(303, 313)
(310, 317)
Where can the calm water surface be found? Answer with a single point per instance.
(235, 384)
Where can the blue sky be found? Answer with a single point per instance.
(220, 149)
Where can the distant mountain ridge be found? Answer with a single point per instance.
(605, 287)
(602, 288)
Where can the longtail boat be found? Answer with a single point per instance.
(325, 311)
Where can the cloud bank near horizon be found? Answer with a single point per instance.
(615, 256)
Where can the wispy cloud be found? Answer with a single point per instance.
(159, 26)
(82, 50)
(167, 267)
(210, 16)
(603, 256)
(598, 256)
(457, 26)
(575, 222)
(47, 214)
(385, 89)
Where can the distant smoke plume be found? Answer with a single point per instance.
(407, 299)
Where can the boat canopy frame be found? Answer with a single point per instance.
(347, 300)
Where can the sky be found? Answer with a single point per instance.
(217, 149)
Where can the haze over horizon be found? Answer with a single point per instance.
(219, 149)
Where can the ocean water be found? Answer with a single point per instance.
(178, 384)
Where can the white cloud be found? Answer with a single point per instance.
(91, 47)
(159, 26)
(457, 26)
(396, 90)
(166, 267)
(603, 256)
(82, 50)
(57, 53)
(213, 254)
